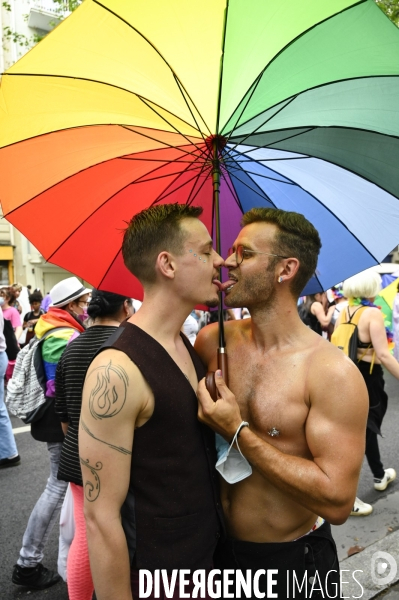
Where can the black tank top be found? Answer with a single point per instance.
(172, 516)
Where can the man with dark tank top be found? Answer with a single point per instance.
(299, 406)
(151, 498)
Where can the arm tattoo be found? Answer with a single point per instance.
(92, 488)
(118, 448)
(104, 401)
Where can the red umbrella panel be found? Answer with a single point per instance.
(79, 217)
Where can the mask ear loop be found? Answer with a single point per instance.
(235, 438)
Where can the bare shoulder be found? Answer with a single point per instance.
(113, 381)
(207, 341)
(332, 373)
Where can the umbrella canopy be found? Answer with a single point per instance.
(224, 104)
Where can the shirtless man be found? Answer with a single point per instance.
(305, 403)
(147, 463)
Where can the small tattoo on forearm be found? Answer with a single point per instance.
(105, 401)
(118, 448)
(92, 488)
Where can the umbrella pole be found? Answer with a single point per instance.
(222, 356)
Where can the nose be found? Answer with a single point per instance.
(217, 260)
(231, 262)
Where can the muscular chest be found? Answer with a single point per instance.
(271, 392)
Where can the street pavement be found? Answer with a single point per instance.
(21, 486)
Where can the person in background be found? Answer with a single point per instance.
(395, 323)
(32, 317)
(11, 314)
(9, 456)
(373, 354)
(106, 311)
(314, 312)
(340, 303)
(46, 302)
(17, 287)
(69, 299)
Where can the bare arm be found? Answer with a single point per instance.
(18, 332)
(335, 434)
(318, 311)
(115, 401)
(379, 340)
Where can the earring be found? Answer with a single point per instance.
(280, 279)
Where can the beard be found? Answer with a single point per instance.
(255, 290)
(211, 303)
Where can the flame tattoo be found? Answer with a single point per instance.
(105, 401)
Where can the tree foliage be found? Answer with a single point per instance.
(390, 8)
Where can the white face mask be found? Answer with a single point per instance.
(231, 464)
(1, 300)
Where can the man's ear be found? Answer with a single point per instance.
(287, 269)
(165, 265)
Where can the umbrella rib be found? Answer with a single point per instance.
(144, 179)
(159, 54)
(129, 128)
(162, 196)
(292, 42)
(263, 195)
(330, 162)
(145, 101)
(232, 189)
(315, 87)
(219, 103)
(331, 213)
(189, 107)
(117, 87)
(180, 148)
(248, 159)
(255, 85)
(92, 213)
(262, 124)
(82, 171)
(110, 266)
(268, 177)
(195, 181)
(289, 137)
(189, 200)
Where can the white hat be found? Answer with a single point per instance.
(66, 291)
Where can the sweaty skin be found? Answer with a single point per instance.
(312, 394)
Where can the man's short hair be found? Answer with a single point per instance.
(296, 237)
(152, 231)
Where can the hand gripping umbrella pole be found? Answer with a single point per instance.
(221, 352)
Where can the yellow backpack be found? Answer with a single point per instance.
(345, 335)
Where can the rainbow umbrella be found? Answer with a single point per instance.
(224, 104)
